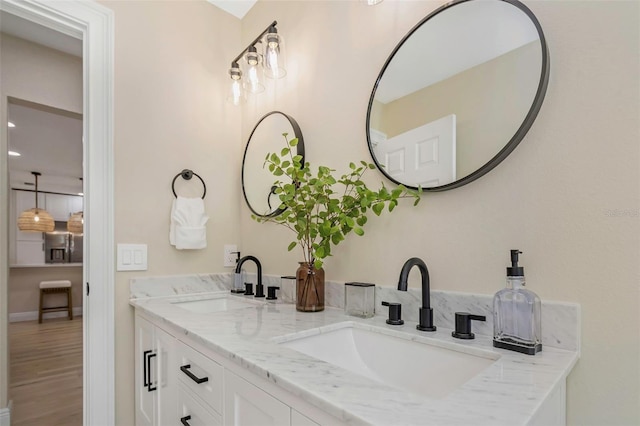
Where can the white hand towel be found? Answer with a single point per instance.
(188, 220)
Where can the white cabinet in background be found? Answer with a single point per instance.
(155, 375)
(26, 248)
(246, 404)
(61, 206)
(29, 252)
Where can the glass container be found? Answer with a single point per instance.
(359, 299)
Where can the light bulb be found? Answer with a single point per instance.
(273, 55)
(36, 218)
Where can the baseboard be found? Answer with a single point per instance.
(33, 315)
(5, 415)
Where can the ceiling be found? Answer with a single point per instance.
(50, 142)
(22, 28)
(237, 8)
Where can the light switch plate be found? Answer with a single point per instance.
(132, 257)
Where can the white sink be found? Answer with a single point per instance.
(414, 366)
(216, 304)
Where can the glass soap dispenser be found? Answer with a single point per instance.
(516, 313)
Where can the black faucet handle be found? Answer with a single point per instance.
(271, 292)
(395, 313)
(259, 290)
(248, 289)
(463, 325)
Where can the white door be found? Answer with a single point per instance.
(424, 156)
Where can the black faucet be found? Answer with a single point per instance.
(257, 262)
(426, 313)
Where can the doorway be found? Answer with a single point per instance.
(92, 23)
(45, 347)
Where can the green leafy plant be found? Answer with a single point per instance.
(320, 209)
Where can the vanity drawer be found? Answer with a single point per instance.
(201, 375)
(192, 413)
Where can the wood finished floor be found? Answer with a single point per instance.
(46, 372)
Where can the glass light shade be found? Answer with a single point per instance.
(274, 60)
(253, 71)
(237, 93)
(371, 2)
(75, 224)
(35, 220)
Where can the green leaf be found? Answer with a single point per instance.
(358, 231)
(392, 205)
(352, 166)
(361, 220)
(377, 208)
(320, 252)
(284, 152)
(292, 245)
(317, 264)
(293, 142)
(297, 158)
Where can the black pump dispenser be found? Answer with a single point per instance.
(514, 270)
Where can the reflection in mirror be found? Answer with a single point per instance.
(458, 93)
(257, 181)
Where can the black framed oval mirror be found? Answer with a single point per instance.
(257, 182)
(457, 94)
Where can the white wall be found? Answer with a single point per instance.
(171, 62)
(568, 196)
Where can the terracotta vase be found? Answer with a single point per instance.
(309, 288)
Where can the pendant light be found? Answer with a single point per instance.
(75, 224)
(273, 54)
(36, 219)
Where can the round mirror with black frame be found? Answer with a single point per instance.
(458, 94)
(257, 182)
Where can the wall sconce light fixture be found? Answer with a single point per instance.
(268, 61)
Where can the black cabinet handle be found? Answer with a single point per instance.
(185, 420)
(198, 380)
(145, 374)
(150, 384)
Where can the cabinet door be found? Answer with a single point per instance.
(248, 405)
(192, 413)
(201, 375)
(144, 353)
(58, 206)
(298, 419)
(76, 204)
(164, 378)
(29, 253)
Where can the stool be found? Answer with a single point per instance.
(51, 287)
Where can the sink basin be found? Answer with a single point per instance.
(216, 304)
(414, 366)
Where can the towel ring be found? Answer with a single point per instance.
(187, 175)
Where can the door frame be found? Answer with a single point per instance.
(92, 23)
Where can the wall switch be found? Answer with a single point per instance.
(229, 256)
(132, 257)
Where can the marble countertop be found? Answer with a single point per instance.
(508, 392)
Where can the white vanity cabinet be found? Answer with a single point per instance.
(179, 382)
(155, 375)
